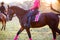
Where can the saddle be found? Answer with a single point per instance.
(36, 17)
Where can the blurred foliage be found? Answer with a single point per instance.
(59, 1)
(27, 4)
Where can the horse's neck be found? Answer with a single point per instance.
(20, 13)
(22, 17)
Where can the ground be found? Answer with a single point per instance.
(13, 26)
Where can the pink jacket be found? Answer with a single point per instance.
(36, 4)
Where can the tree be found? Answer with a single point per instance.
(59, 1)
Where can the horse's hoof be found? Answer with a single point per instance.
(1, 29)
(54, 39)
(16, 37)
(4, 29)
(30, 39)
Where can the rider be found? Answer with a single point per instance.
(33, 11)
(2, 8)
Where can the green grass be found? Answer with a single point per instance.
(13, 26)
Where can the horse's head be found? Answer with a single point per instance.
(16, 10)
(10, 13)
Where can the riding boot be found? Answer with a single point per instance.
(28, 23)
(30, 13)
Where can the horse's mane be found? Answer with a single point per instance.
(19, 8)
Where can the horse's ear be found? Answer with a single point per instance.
(8, 7)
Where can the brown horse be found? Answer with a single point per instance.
(3, 20)
(50, 19)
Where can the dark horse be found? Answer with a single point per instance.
(51, 19)
(3, 20)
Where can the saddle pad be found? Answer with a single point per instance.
(37, 17)
(2, 15)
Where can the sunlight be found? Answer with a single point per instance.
(49, 1)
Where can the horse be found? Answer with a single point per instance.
(51, 19)
(3, 20)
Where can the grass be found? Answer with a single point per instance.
(13, 26)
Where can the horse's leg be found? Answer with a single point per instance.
(3, 24)
(28, 32)
(57, 29)
(54, 32)
(16, 37)
(1, 28)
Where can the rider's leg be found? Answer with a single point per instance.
(28, 22)
(29, 18)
